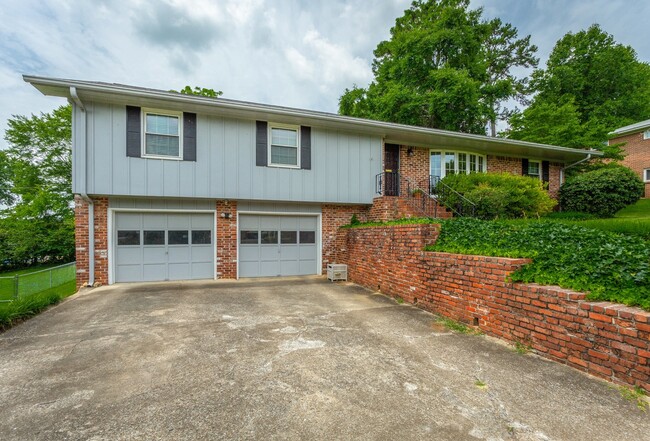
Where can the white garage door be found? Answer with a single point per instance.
(278, 245)
(163, 246)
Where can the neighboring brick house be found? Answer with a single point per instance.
(636, 145)
(171, 187)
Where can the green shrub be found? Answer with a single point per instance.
(602, 192)
(570, 215)
(500, 195)
(609, 266)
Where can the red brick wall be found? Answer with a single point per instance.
(604, 339)
(387, 208)
(415, 167)
(101, 240)
(332, 218)
(637, 154)
(502, 164)
(226, 229)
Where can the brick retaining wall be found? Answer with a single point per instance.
(604, 339)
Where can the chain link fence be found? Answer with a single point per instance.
(22, 285)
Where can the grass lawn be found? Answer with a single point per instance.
(34, 280)
(26, 307)
(633, 220)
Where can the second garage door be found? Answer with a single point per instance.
(278, 245)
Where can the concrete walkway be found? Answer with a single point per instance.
(283, 359)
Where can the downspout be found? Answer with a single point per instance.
(82, 193)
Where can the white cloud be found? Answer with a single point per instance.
(286, 52)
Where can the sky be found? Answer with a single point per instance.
(286, 52)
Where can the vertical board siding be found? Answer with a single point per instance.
(343, 165)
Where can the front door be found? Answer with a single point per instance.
(391, 169)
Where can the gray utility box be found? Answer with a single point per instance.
(337, 271)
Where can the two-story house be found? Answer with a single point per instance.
(171, 186)
(636, 146)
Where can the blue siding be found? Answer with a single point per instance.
(343, 164)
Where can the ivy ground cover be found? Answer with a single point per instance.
(608, 266)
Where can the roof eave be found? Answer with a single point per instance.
(392, 132)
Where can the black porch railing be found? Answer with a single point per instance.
(450, 198)
(426, 197)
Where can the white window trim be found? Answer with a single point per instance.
(272, 126)
(143, 126)
(539, 176)
(646, 134)
(646, 175)
(456, 152)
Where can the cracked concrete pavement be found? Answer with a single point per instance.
(283, 359)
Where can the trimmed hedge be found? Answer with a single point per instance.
(609, 266)
(602, 192)
(500, 195)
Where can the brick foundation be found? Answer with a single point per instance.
(226, 229)
(101, 240)
(604, 339)
(637, 154)
(333, 217)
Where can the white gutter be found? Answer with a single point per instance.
(82, 193)
(270, 110)
(587, 158)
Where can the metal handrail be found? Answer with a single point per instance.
(441, 192)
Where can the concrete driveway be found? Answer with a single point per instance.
(283, 359)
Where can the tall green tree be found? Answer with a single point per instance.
(38, 223)
(199, 91)
(443, 67)
(591, 86)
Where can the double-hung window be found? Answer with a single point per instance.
(284, 142)
(646, 175)
(162, 134)
(534, 169)
(646, 134)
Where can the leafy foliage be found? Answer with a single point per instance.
(608, 266)
(602, 192)
(199, 91)
(26, 307)
(591, 86)
(38, 225)
(500, 195)
(403, 221)
(443, 67)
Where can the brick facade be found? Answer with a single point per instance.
(637, 154)
(100, 236)
(226, 236)
(415, 167)
(604, 339)
(333, 217)
(502, 164)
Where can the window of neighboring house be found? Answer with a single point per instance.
(284, 142)
(162, 134)
(646, 134)
(443, 163)
(646, 175)
(534, 169)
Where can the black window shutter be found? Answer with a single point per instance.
(524, 167)
(261, 144)
(133, 132)
(305, 147)
(545, 171)
(189, 136)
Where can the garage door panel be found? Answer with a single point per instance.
(154, 255)
(201, 270)
(307, 252)
(201, 254)
(127, 221)
(180, 254)
(155, 258)
(129, 273)
(269, 253)
(154, 272)
(179, 271)
(287, 257)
